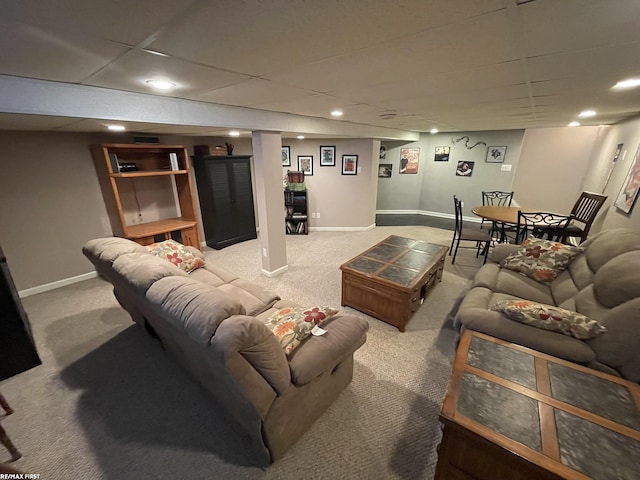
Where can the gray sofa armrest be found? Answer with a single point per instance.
(552, 343)
(345, 334)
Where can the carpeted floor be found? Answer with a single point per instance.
(108, 403)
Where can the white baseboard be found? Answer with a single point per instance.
(342, 229)
(277, 271)
(57, 284)
(428, 214)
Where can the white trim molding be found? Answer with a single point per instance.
(277, 271)
(57, 284)
(342, 229)
(428, 214)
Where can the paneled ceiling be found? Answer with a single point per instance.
(411, 65)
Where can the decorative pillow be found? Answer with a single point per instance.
(292, 325)
(542, 260)
(550, 317)
(176, 254)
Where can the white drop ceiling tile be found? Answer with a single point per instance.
(258, 37)
(131, 72)
(60, 56)
(552, 26)
(253, 92)
(321, 106)
(126, 22)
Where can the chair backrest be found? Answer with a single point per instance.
(457, 205)
(539, 223)
(586, 209)
(497, 198)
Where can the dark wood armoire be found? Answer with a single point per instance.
(226, 199)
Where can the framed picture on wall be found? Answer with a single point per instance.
(349, 164)
(464, 169)
(629, 193)
(442, 154)
(409, 158)
(286, 156)
(496, 154)
(384, 170)
(327, 156)
(305, 164)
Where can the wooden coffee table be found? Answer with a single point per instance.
(512, 413)
(390, 280)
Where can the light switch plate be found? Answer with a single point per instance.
(505, 168)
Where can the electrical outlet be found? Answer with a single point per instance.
(264, 252)
(313, 214)
(318, 215)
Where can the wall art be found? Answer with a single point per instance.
(384, 170)
(305, 164)
(409, 158)
(496, 154)
(464, 169)
(349, 164)
(442, 154)
(286, 156)
(327, 156)
(627, 196)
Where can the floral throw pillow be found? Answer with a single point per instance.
(542, 260)
(292, 325)
(549, 317)
(176, 254)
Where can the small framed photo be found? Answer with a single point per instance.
(305, 164)
(464, 169)
(442, 154)
(286, 156)
(384, 170)
(327, 156)
(496, 154)
(349, 164)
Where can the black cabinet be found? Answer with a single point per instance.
(296, 212)
(226, 199)
(17, 348)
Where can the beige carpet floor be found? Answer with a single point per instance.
(108, 403)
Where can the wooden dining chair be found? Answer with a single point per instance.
(539, 224)
(481, 238)
(584, 213)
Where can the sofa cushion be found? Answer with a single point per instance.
(175, 253)
(192, 306)
(292, 325)
(540, 259)
(344, 335)
(618, 280)
(253, 299)
(142, 269)
(608, 244)
(550, 317)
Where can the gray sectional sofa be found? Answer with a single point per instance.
(213, 324)
(602, 283)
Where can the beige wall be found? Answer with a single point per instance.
(552, 167)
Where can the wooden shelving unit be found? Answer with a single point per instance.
(296, 212)
(144, 162)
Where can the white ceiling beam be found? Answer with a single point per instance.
(41, 97)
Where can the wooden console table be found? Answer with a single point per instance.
(390, 280)
(517, 414)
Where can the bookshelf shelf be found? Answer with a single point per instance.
(296, 212)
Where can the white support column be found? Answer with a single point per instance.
(267, 160)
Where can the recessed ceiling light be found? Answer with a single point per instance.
(587, 114)
(628, 83)
(116, 128)
(337, 113)
(433, 131)
(574, 124)
(234, 133)
(300, 137)
(161, 84)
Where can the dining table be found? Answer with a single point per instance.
(500, 216)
